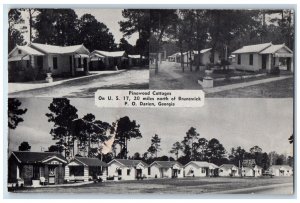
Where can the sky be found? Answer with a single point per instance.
(110, 17)
(267, 123)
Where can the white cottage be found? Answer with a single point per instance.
(255, 171)
(205, 56)
(228, 170)
(281, 170)
(165, 169)
(85, 169)
(135, 60)
(108, 60)
(42, 58)
(126, 169)
(263, 57)
(200, 169)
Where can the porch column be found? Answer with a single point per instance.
(104, 173)
(269, 62)
(67, 172)
(86, 173)
(46, 172)
(73, 65)
(292, 65)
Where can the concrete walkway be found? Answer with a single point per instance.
(18, 87)
(244, 84)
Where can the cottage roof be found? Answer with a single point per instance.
(228, 166)
(27, 50)
(90, 161)
(53, 49)
(205, 50)
(203, 164)
(166, 164)
(256, 48)
(36, 157)
(281, 167)
(128, 162)
(110, 53)
(274, 48)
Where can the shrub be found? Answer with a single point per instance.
(275, 71)
(209, 66)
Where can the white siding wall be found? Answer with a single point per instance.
(285, 173)
(247, 173)
(224, 172)
(180, 173)
(112, 171)
(205, 58)
(67, 172)
(86, 173)
(155, 171)
(197, 171)
(257, 65)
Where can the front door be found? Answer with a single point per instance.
(175, 173)
(39, 62)
(138, 173)
(264, 61)
(52, 174)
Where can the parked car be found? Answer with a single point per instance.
(268, 173)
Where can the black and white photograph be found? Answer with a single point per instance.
(73, 145)
(151, 101)
(74, 52)
(227, 53)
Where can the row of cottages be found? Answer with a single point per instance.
(263, 57)
(64, 60)
(193, 56)
(42, 58)
(36, 168)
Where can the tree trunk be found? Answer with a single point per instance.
(190, 61)
(181, 60)
(30, 25)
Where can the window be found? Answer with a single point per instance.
(203, 170)
(19, 51)
(76, 170)
(55, 63)
(251, 59)
(128, 172)
(27, 63)
(178, 171)
(221, 170)
(239, 59)
(119, 172)
(149, 171)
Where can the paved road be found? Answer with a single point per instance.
(130, 79)
(276, 189)
(170, 76)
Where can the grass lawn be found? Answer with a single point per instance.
(277, 89)
(167, 186)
